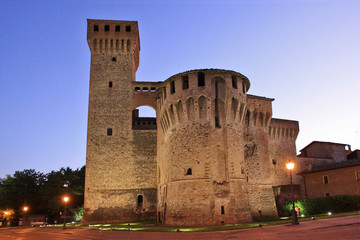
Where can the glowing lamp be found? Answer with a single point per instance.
(290, 165)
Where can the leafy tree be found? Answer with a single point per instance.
(43, 193)
(21, 189)
(60, 183)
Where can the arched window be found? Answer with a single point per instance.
(189, 171)
(140, 201)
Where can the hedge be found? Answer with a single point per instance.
(341, 203)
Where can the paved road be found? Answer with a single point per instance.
(335, 228)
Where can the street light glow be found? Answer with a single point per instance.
(66, 199)
(290, 165)
(26, 208)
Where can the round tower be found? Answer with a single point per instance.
(200, 153)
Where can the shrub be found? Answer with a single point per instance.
(341, 203)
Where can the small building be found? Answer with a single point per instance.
(329, 169)
(341, 178)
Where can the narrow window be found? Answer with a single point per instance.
(96, 28)
(107, 28)
(185, 82)
(113, 59)
(152, 89)
(222, 210)
(201, 79)
(145, 89)
(189, 172)
(357, 176)
(128, 28)
(140, 201)
(117, 28)
(172, 87)
(327, 194)
(137, 89)
(165, 92)
(109, 131)
(110, 84)
(234, 82)
(326, 179)
(243, 86)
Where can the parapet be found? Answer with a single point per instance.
(114, 37)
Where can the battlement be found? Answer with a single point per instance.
(283, 129)
(114, 38)
(208, 95)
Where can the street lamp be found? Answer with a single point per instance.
(26, 217)
(290, 166)
(66, 199)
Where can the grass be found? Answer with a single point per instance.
(150, 226)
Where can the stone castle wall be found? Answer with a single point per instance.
(211, 159)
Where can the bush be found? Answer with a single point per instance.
(341, 203)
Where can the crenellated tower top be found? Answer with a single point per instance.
(109, 37)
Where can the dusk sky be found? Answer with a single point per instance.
(303, 53)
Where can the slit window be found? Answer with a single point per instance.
(189, 171)
(243, 87)
(107, 28)
(234, 82)
(110, 84)
(128, 28)
(222, 210)
(117, 28)
(113, 59)
(326, 179)
(172, 87)
(96, 28)
(109, 132)
(357, 176)
(140, 201)
(201, 79)
(185, 82)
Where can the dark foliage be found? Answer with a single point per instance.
(42, 193)
(341, 203)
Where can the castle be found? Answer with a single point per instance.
(213, 154)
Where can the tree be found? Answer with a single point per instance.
(42, 192)
(21, 189)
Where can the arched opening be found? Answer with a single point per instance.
(202, 108)
(220, 91)
(189, 171)
(140, 201)
(144, 118)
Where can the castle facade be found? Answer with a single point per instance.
(213, 155)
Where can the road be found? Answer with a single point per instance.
(334, 228)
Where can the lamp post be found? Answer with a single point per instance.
(26, 216)
(290, 166)
(66, 199)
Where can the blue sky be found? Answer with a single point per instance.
(305, 54)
